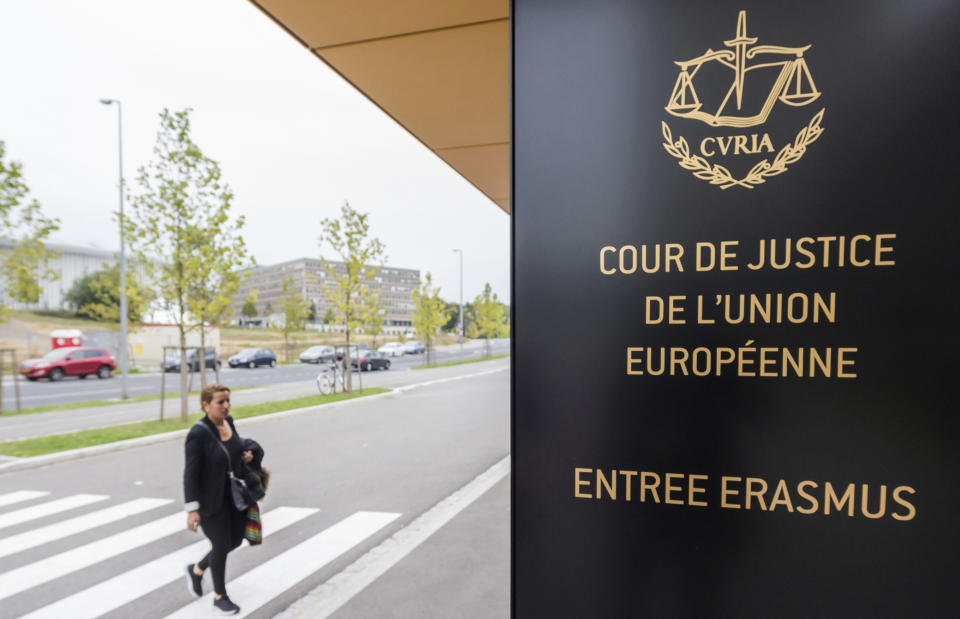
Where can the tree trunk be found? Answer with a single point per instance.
(202, 360)
(184, 391)
(346, 364)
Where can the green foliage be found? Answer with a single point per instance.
(267, 308)
(97, 295)
(347, 286)
(429, 313)
(453, 311)
(249, 309)
(491, 321)
(329, 317)
(181, 230)
(295, 310)
(22, 221)
(312, 312)
(374, 313)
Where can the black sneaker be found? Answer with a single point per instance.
(194, 582)
(225, 607)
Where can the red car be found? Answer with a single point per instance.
(72, 361)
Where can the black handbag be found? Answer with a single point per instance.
(239, 492)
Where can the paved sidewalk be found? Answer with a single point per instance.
(462, 570)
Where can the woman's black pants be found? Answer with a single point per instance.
(225, 531)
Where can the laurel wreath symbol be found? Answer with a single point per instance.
(716, 174)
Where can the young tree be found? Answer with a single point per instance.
(374, 313)
(97, 295)
(23, 266)
(347, 285)
(329, 318)
(490, 318)
(249, 309)
(429, 313)
(294, 313)
(223, 253)
(180, 195)
(470, 321)
(267, 308)
(312, 312)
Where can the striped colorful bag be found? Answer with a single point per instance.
(253, 533)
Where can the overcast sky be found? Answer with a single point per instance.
(293, 139)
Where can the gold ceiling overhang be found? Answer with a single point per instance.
(440, 68)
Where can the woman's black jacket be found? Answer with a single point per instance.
(205, 472)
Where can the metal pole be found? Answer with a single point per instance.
(16, 385)
(163, 380)
(123, 255)
(123, 266)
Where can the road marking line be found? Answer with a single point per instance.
(438, 381)
(46, 509)
(60, 530)
(19, 496)
(330, 596)
(54, 567)
(122, 589)
(270, 579)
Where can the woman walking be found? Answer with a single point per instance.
(206, 489)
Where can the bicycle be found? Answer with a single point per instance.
(331, 375)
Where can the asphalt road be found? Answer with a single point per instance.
(18, 427)
(72, 389)
(346, 478)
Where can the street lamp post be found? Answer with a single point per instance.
(460, 251)
(123, 256)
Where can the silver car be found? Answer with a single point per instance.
(393, 349)
(318, 354)
(413, 348)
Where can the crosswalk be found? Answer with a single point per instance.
(44, 575)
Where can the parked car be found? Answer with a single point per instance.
(393, 349)
(413, 348)
(71, 361)
(356, 350)
(318, 354)
(374, 360)
(252, 357)
(211, 360)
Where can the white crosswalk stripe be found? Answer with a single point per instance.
(60, 530)
(19, 496)
(262, 584)
(115, 592)
(48, 569)
(48, 509)
(280, 569)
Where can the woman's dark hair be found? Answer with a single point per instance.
(206, 396)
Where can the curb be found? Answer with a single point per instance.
(22, 464)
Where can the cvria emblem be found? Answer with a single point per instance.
(739, 88)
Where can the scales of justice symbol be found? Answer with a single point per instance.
(794, 85)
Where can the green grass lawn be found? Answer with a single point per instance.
(461, 362)
(87, 438)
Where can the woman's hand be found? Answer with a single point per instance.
(193, 521)
(247, 456)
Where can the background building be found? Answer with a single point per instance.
(70, 264)
(394, 285)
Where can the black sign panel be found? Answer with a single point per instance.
(735, 299)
